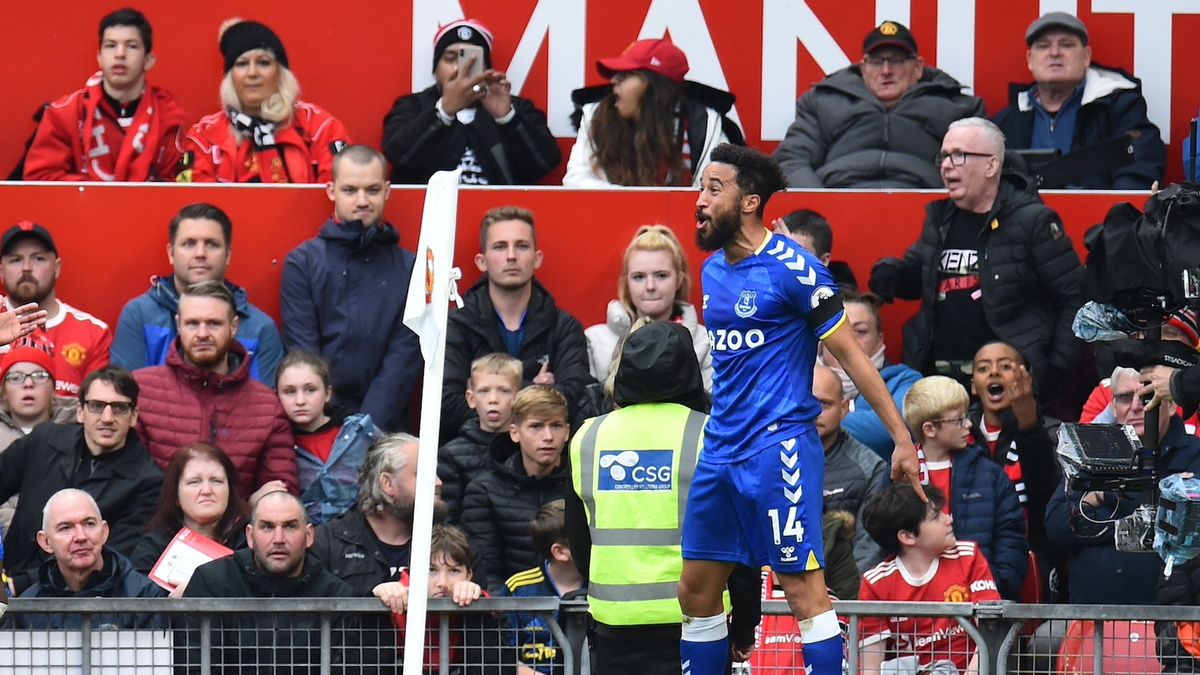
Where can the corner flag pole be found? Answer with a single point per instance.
(430, 291)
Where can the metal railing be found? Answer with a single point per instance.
(96, 636)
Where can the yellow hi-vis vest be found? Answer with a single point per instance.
(632, 469)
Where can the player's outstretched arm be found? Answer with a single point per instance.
(866, 377)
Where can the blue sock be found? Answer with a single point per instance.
(822, 644)
(704, 645)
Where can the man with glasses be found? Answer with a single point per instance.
(205, 393)
(876, 123)
(98, 455)
(1074, 103)
(78, 342)
(993, 263)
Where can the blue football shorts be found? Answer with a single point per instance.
(763, 510)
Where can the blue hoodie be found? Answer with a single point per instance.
(147, 330)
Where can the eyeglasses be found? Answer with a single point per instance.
(957, 157)
(893, 61)
(1127, 398)
(38, 377)
(96, 407)
(960, 422)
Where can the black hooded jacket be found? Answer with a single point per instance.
(497, 509)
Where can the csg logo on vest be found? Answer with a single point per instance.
(635, 470)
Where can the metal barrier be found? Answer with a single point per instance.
(100, 636)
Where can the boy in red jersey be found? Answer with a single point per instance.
(925, 563)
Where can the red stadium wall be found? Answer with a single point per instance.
(112, 239)
(354, 57)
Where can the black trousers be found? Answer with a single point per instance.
(644, 650)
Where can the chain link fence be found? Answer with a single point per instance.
(494, 636)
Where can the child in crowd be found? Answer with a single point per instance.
(474, 638)
(330, 446)
(494, 381)
(555, 576)
(979, 495)
(925, 563)
(1006, 422)
(525, 470)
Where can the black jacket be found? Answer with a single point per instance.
(1029, 275)
(551, 332)
(270, 640)
(342, 297)
(1181, 588)
(124, 483)
(1034, 450)
(418, 144)
(117, 579)
(854, 472)
(1113, 105)
(497, 509)
(151, 545)
(459, 462)
(346, 547)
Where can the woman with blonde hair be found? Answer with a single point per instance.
(266, 134)
(655, 283)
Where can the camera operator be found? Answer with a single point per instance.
(1081, 522)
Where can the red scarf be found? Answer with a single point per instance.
(101, 132)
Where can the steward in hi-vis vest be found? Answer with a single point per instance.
(630, 473)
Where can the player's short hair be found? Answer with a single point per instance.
(500, 214)
(930, 398)
(202, 211)
(896, 509)
(757, 174)
(362, 155)
(549, 527)
(132, 18)
(496, 363)
(811, 224)
(450, 541)
(540, 401)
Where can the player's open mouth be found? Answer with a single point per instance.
(995, 392)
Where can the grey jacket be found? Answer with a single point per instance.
(843, 137)
(852, 473)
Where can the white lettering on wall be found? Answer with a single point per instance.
(684, 21)
(899, 11)
(563, 25)
(785, 22)
(1152, 22)
(956, 40)
(427, 17)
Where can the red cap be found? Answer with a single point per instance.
(26, 355)
(657, 56)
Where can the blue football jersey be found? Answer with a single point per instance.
(765, 315)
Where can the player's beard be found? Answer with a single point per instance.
(721, 229)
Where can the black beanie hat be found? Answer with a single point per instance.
(463, 30)
(658, 364)
(245, 36)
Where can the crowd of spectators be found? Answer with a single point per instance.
(873, 124)
(289, 447)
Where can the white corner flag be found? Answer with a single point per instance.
(430, 291)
